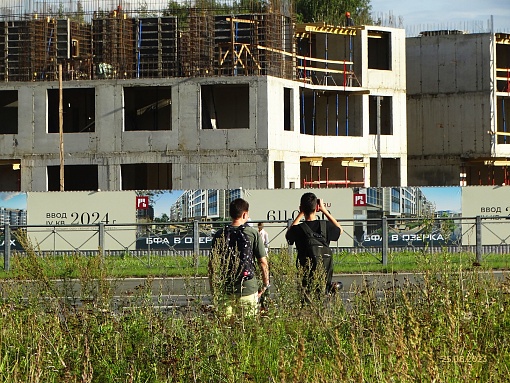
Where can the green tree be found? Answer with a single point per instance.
(181, 11)
(332, 12)
(80, 12)
(163, 229)
(164, 218)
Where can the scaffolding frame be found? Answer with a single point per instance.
(182, 39)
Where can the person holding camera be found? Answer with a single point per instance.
(312, 238)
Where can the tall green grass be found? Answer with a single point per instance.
(154, 265)
(452, 327)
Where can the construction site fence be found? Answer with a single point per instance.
(379, 237)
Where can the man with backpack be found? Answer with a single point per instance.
(312, 238)
(232, 274)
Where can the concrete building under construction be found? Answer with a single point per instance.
(458, 87)
(197, 97)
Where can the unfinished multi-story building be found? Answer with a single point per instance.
(200, 98)
(458, 88)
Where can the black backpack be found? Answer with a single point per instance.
(316, 243)
(238, 256)
(317, 252)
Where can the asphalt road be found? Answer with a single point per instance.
(171, 293)
(182, 286)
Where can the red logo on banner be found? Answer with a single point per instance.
(142, 202)
(360, 200)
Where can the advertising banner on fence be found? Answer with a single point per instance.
(13, 211)
(173, 242)
(492, 203)
(415, 216)
(283, 204)
(53, 210)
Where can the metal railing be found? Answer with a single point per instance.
(380, 236)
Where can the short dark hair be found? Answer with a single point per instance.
(308, 203)
(238, 207)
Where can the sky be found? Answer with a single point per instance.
(446, 14)
(13, 200)
(163, 201)
(445, 198)
(417, 14)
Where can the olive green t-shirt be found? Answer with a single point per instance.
(251, 286)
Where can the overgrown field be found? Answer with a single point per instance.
(454, 327)
(156, 265)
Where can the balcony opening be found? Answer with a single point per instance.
(503, 67)
(503, 114)
(332, 172)
(331, 113)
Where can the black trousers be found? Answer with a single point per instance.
(310, 268)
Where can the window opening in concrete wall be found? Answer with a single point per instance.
(379, 50)
(330, 113)
(225, 106)
(76, 177)
(287, 109)
(390, 172)
(10, 175)
(146, 176)
(332, 172)
(148, 108)
(385, 112)
(79, 110)
(9, 112)
(503, 115)
(278, 168)
(503, 67)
